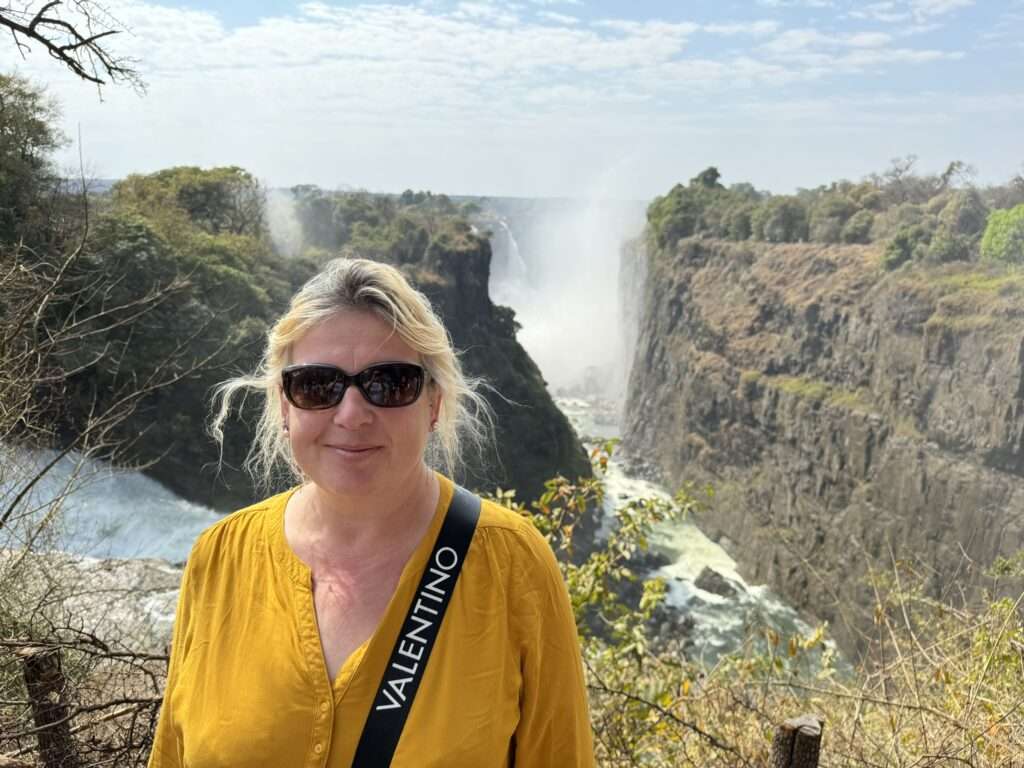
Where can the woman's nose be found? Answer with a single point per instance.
(353, 411)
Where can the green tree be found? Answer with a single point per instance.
(673, 216)
(828, 216)
(910, 243)
(28, 137)
(1004, 236)
(707, 178)
(965, 213)
(227, 200)
(738, 224)
(858, 228)
(780, 220)
(961, 221)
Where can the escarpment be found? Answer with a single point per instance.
(534, 440)
(848, 418)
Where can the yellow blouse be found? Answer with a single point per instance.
(248, 686)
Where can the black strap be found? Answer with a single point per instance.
(409, 658)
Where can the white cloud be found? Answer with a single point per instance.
(558, 18)
(920, 11)
(868, 40)
(753, 28)
(924, 8)
(796, 3)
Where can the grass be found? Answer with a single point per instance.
(818, 391)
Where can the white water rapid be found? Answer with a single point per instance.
(107, 512)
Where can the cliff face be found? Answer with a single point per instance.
(845, 416)
(534, 439)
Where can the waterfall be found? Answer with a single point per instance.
(556, 263)
(510, 277)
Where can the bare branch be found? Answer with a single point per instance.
(74, 43)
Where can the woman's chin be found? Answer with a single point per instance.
(345, 473)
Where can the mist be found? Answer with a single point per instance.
(556, 263)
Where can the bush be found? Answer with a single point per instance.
(964, 214)
(910, 243)
(738, 222)
(858, 228)
(829, 216)
(780, 220)
(1004, 236)
(946, 247)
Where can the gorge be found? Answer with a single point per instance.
(852, 420)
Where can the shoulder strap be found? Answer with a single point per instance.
(422, 623)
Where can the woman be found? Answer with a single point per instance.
(293, 611)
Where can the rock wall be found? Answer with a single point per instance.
(534, 440)
(847, 417)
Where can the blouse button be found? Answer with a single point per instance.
(318, 748)
(324, 706)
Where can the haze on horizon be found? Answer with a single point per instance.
(553, 97)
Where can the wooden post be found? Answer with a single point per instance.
(45, 682)
(797, 742)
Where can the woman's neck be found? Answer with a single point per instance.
(332, 531)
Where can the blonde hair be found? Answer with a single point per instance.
(370, 286)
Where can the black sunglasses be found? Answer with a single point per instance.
(386, 385)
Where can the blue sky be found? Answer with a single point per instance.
(556, 97)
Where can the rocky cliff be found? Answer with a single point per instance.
(846, 416)
(534, 439)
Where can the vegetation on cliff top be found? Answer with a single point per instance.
(928, 218)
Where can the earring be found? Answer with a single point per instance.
(433, 425)
(284, 428)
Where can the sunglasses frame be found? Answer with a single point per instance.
(347, 380)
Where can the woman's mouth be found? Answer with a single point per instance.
(353, 450)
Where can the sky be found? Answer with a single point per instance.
(544, 98)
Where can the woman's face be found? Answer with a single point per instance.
(355, 448)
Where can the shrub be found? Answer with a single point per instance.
(1004, 236)
(829, 216)
(780, 220)
(858, 228)
(909, 243)
(738, 222)
(964, 214)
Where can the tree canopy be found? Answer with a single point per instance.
(935, 218)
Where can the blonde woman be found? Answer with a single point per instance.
(371, 615)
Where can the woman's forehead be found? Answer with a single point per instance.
(351, 340)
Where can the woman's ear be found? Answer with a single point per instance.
(284, 409)
(435, 408)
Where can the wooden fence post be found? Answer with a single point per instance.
(797, 742)
(45, 682)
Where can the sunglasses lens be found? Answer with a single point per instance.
(391, 385)
(313, 387)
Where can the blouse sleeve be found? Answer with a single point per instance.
(167, 751)
(554, 726)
